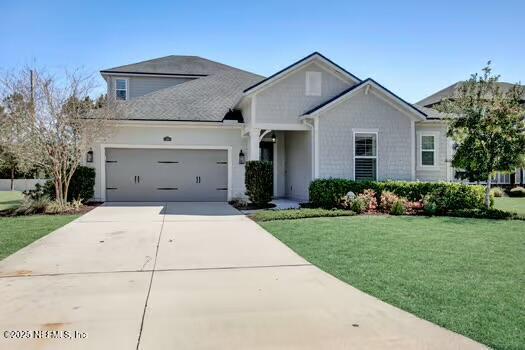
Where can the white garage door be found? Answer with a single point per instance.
(166, 175)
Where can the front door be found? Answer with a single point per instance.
(266, 150)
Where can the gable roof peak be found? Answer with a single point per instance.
(300, 63)
(351, 90)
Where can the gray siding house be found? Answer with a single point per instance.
(189, 123)
(452, 91)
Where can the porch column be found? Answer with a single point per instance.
(254, 144)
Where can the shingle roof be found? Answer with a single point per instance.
(176, 65)
(204, 99)
(452, 91)
(431, 113)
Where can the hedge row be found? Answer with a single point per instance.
(326, 193)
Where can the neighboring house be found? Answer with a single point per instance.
(189, 123)
(451, 92)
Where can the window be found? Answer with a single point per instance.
(503, 178)
(365, 156)
(121, 89)
(313, 84)
(428, 149)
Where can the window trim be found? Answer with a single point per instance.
(127, 88)
(420, 150)
(376, 157)
(308, 88)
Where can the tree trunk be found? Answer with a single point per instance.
(58, 189)
(66, 190)
(12, 178)
(487, 193)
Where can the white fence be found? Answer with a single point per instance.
(20, 184)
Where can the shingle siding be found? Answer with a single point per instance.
(365, 111)
(440, 172)
(140, 86)
(286, 100)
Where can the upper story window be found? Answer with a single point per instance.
(428, 149)
(121, 89)
(313, 84)
(365, 156)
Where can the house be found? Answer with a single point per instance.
(450, 92)
(189, 123)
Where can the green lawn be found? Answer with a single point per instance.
(17, 232)
(9, 199)
(467, 275)
(516, 205)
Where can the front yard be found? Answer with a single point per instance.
(466, 275)
(516, 205)
(9, 199)
(17, 232)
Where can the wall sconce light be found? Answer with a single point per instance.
(167, 138)
(89, 156)
(274, 138)
(242, 158)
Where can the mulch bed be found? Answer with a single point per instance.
(86, 208)
(251, 206)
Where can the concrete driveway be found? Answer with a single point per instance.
(189, 276)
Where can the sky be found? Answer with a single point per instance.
(413, 48)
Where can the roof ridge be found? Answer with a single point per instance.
(190, 82)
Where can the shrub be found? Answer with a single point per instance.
(456, 197)
(32, 206)
(369, 196)
(414, 207)
(429, 205)
(398, 208)
(269, 215)
(81, 186)
(359, 205)
(36, 193)
(55, 207)
(517, 192)
(387, 201)
(497, 192)
(259, 181)
(326, 193)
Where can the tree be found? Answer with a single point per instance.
(8, 160)
(53, 123)
(488, 127)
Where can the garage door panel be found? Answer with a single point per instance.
(166, 175)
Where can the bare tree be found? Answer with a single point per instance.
(53, 122)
